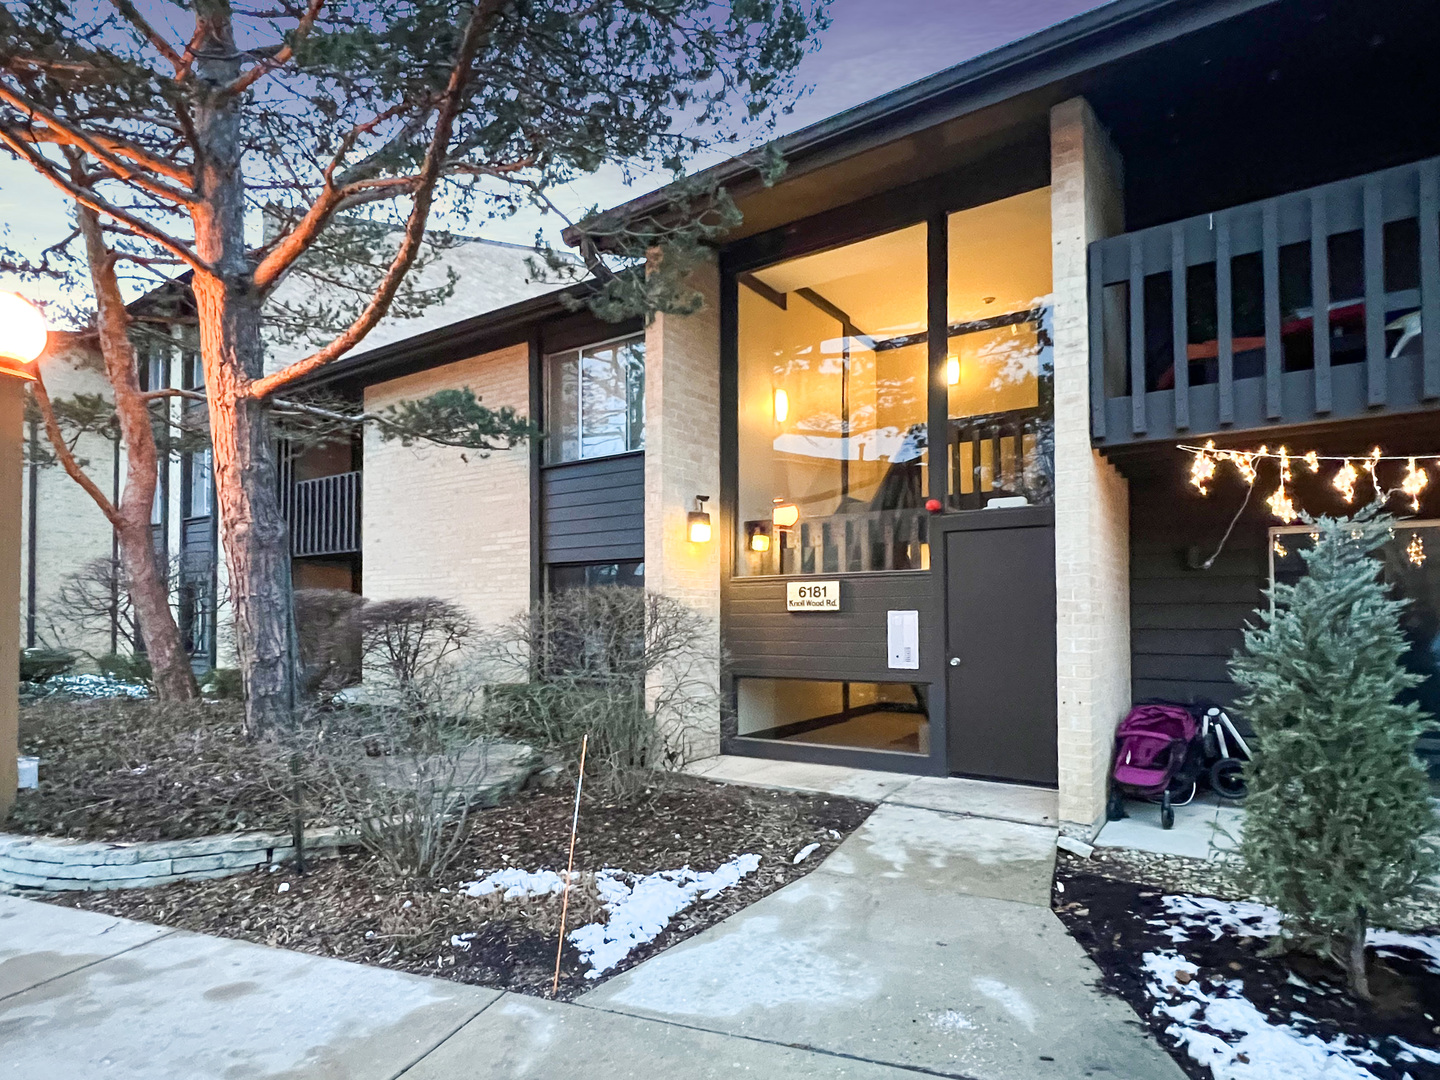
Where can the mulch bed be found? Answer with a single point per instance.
(1115, 921)
(352, 908)
(136, 770)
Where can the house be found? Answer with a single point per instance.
(1156, 224)
(67, 546)
(933, 404)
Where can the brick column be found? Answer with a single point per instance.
(12, 425)
(1092, 519)
(682, 460)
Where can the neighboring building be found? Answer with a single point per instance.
(960, 256)
(64, 534)
(935, 381)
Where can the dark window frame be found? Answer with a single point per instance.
(547, 360)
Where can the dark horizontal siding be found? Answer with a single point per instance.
(763, 639)
(594, 511)
(1187, 622)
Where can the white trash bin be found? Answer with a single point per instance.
(29, 772)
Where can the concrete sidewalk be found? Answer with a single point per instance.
(923, 944)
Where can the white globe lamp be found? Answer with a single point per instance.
(23, 335)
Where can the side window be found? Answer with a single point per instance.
(595, 401)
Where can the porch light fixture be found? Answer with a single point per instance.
(697, 522)
(785, 514)
(23, 334)
(782, 405)
(757, 535)
(952, 371)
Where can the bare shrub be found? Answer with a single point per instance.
(328, 633)
(634, 670)
(407, 643)
(407, 780)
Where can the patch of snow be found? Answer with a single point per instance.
(1385, 942)
(1245, 917)
(638, 906)
(461, 941)
(951, 1020)
(1416, 1053)
(515, 884)
(284, 886)
(642, 907)
(1223, 1031)
(95, 686)
(804, 853)
(1242, 917)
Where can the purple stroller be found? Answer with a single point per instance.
(1157, 754)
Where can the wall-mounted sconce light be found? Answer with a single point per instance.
(697, 522)
(757, 536)
(785, 514)
(782, 405)
(952, 371)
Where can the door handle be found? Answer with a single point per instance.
(954, 661)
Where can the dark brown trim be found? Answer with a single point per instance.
(536, 369)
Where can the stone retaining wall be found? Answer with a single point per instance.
(47, 864)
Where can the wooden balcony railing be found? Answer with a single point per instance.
(1306, 307)
(324, 515)
(850, 543)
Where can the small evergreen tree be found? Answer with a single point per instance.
(1339, 805)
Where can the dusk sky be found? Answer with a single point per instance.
(873, 46)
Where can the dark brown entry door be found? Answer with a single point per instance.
(1000, 627)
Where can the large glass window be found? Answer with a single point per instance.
(832, 410)
(595, 401)
(999, 368)
(874, 716)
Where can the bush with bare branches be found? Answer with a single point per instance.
(634, 670)
(408, 643)
(408, 780)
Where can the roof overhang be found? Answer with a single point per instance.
(971, 106)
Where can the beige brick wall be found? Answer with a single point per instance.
(1091, 498)
(439, 521)
(682, 460)
(70, 530)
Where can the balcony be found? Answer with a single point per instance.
(1301, 309)
(324, 515)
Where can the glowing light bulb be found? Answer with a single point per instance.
(23, 332)
(952, 371)
(782, 405)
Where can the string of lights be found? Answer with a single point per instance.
(1206, 461)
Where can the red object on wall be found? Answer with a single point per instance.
(933, 505)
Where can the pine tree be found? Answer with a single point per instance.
(1339, 805)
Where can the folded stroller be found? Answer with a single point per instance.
(1158, 756)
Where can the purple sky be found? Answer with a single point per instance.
(873, 46)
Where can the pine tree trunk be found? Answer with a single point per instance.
(252, 527)
(147, 585)
(1355, 956)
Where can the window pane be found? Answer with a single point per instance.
(876, 716)
(595, 401)
(604, 402)
(832, 410)
(581, 575)
(197, 497)
(632, 355)
(563, 408)
(999, 367)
